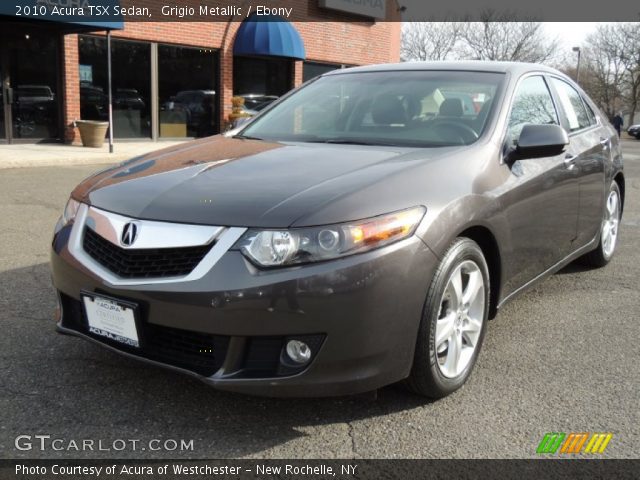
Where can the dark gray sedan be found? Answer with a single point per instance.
(358, 232)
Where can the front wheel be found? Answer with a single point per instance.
(603, 253)
(453, 322)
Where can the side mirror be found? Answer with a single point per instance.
(537, 141)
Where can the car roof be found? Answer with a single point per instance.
(516, 68)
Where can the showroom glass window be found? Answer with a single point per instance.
(189, 96)
(314, 69)
(131, 85)
(574, 109)
(532, 104)
(262, 76)
(30, 106)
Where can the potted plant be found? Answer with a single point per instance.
(92, 132)
(237, 112)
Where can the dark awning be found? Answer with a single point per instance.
(56, 11)
(268, 36)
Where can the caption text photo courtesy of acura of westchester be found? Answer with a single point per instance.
(358, 232)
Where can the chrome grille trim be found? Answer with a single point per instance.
(160, 235)
(151, 234)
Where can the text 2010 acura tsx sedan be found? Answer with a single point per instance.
(357, 232)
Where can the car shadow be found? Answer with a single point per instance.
(72, 388)
(577, 266)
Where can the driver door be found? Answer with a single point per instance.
(542, 202)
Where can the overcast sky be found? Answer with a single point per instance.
(571, 34)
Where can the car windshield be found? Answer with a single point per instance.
(401, 108)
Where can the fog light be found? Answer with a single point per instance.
(298, 351)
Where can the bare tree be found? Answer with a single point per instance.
(429, 40)
(496, 38)
(611, 73)
(603, 69)
(629, 35)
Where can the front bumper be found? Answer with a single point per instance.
(360, 314)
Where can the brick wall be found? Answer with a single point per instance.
(71, 81)
(336, 38)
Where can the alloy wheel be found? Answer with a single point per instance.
(610, 223)
(460, 319)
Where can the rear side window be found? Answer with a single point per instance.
(532, 104)
(573, 106)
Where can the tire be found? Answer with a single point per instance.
(603, 253)
(434, 372)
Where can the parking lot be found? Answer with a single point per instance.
(564, 357)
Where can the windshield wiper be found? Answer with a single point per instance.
(349, 141)
(247, 137)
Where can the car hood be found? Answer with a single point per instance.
(251, 183)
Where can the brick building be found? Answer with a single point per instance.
(173, 79)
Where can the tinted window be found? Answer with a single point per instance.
(572, 105)
(532, 104)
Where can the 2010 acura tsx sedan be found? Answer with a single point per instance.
(360, 231)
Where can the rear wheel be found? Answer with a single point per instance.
(453, 322)
(603, 253)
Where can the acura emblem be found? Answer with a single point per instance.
(129, 234)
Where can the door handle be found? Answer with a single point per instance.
(570, 161)
(604, 142)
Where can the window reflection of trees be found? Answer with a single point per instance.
(531, 108)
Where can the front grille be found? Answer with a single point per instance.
(202, 353)
(145, 262)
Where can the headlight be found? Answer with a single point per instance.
(272, 248)
(70, 211)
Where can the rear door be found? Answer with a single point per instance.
(589, 149)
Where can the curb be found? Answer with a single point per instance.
(29, 156)
(62, 162)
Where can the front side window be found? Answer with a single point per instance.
(405, 108)
(532, 104)
(572, 104)
(591, 114)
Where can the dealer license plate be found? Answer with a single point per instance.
(111, 318)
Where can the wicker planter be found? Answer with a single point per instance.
(92, 133)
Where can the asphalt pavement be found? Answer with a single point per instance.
(563, 357)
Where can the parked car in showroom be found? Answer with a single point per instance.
(194, 108)
(128, 98)
(335, 247)
(254, 102)
(634, 131)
